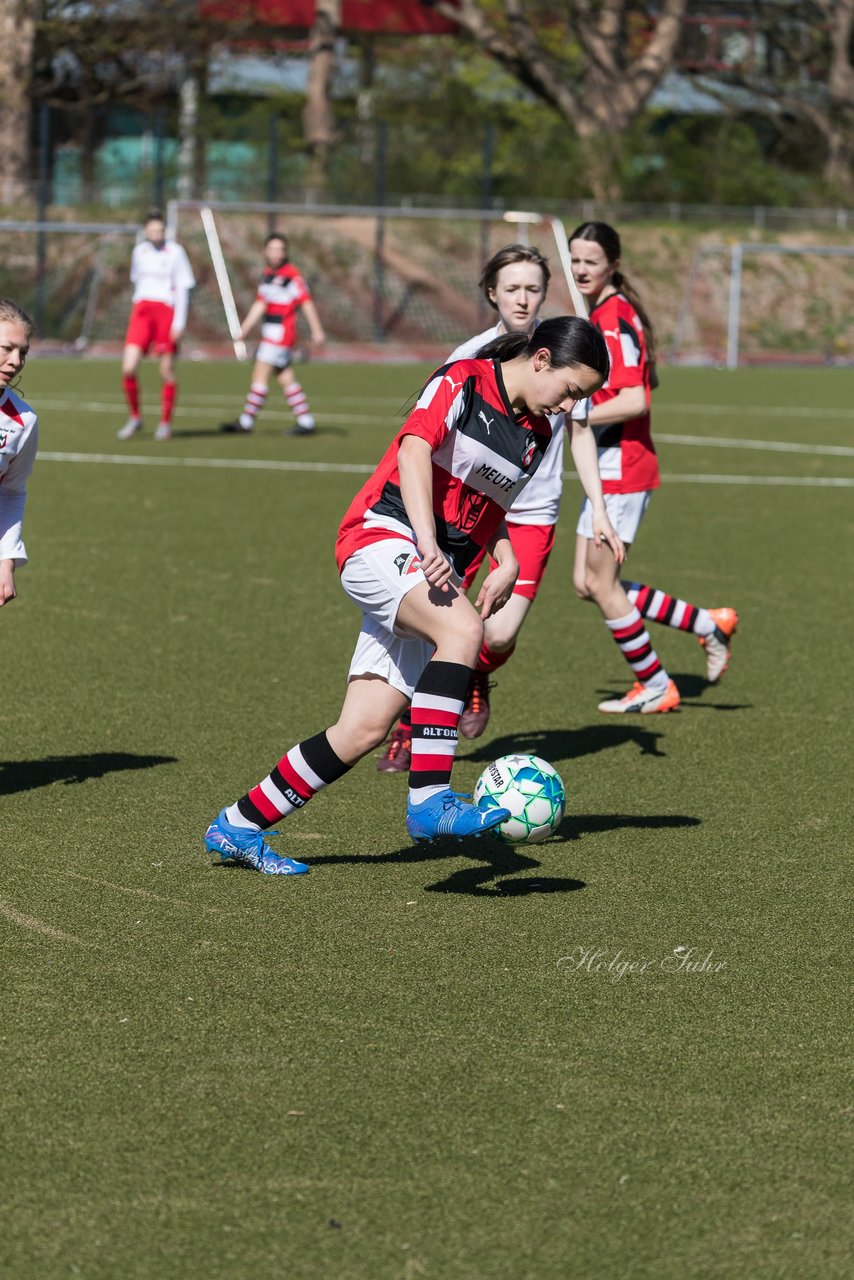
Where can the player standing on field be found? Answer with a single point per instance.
(18, 443)
(162, 278)
(514, 282)
(478, 431)
(281, 294)
(627, 461)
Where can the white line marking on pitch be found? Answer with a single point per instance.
(365, 468)
(766, 446)
(39, 926)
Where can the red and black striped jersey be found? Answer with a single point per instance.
(627, 458)
(483, 454)
(283, 291)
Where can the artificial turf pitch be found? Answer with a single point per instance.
(395, 1067)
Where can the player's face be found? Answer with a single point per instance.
(155, 232)
(557, 390)
(518, 294)
(14, 345)
(276, 253)
(591, 269)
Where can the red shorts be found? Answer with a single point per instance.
(532, 544)
(150, 325)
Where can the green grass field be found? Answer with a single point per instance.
(388, 1069)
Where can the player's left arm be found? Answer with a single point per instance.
(316, 330)
(629, 402)
(585, 455)
(184, 281)
(13, 497)
(497, 586)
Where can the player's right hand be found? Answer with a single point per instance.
(434, 564)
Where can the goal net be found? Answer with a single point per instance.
(756, 303)
(404, 279)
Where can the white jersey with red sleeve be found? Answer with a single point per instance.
(162, 274)
(539, 503)
(483, 456)
(19, 433)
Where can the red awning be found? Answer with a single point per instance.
(381, 17)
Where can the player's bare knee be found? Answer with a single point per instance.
(582, 584)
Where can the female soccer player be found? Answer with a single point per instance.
(477, 433)
(515, 281)
(281, 294)
(162, 279)
(629, 468)
(18, 443)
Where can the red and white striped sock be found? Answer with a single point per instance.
(437, 705)
(255, 398)
(306, 769)
(297, 399)
(670, 611)
(634, 644)
(490, 659)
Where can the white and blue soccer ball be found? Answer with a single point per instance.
(531, 789)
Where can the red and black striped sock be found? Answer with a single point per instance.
(670, 611)
(306, 769)
(634, 643)
(437, 705)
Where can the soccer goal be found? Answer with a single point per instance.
(400, 281)
(755, 303)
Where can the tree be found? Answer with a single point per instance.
(318, 119)
(596, 62)
(17, 33)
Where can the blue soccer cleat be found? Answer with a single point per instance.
(246, 848)
(449, 814)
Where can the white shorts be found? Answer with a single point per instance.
(625, 511)
(271, 353)
(377, 578)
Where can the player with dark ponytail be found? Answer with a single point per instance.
(620, 417)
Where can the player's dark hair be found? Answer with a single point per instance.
(609, 241)
(276, 235)
(506, 257)
(153, 215)
(569, 340)
(13, 314)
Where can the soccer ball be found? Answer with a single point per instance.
(533, 792)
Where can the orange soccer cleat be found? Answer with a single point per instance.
(716, 644)
(643, 699)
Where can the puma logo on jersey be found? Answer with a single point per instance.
(487, 421)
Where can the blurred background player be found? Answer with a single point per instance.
(281, 294)
(515, 281)
(162, 279)
(18, 443)
(477, 433)
(620, 417)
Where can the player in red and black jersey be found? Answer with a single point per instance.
(620, 418)
(282, 292)
(475, 437)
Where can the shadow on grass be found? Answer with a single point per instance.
(567, 744)
(499, 860)
(27, 775)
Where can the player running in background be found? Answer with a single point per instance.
(18, 443)
(281, 294)
(629, 467)
(514, 282)
(476, 435)
(162, 279)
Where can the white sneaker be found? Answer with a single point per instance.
(163, 432)
(640, 698)
(306, 422)
(129, 429)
